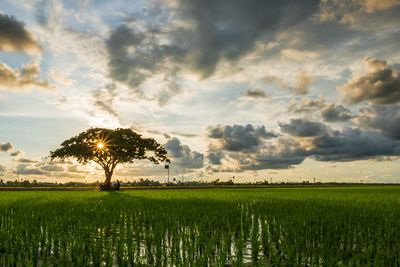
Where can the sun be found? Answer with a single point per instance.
(100, 145)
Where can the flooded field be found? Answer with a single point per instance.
(210, 227)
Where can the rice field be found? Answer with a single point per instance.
(335, 226)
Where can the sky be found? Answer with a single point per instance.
(246, 90)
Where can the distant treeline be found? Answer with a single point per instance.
(174, 183)
(140, 182)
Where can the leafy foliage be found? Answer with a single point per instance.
(109, 147)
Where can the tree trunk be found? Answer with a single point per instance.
(107, 181)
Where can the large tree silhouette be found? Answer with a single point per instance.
(110, 147)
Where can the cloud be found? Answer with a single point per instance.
(306, 105)
(254, 93)
(379, 85)
(277, 153)
(215, 157)
(52, 168)
(379, 5)
(25, 160)
(195, 36)
(336, 113)
(29, 170)
(171, 89)
(303, 139)
(182, 156)
(353, 144)
(300, 86)
(3, 169)
(76, 169)
(303, 128)
(299, 55)
(239, 137)
(5, 147)
(218, 34)
(28, 76)
(16, 153)
(15, 38)
(103, 99)
(385, 119)
(348, 12)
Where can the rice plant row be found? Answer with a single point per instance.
(253, 227)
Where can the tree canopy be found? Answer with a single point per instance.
(109, 147)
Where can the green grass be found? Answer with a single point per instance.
(333, 226)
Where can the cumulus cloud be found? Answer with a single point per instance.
(303, 128)
(305, 139)
(14, 37)
(28, 76)
(215, 157)
(353, 144)
(300, 86)
(336, 113)
(254, 93)
(306, 105)
(379, 85)
(5, 147)
(239, 137)
(385, 119)
(182, 156)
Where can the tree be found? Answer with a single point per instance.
(108, 148)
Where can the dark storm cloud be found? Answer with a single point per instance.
(353, 144)
(182, 156)
(239, 137)
(333, 113)
(5, 147)
(14, 37)
(228, 29)
(312, 140)
(208, 33)
(282, 154)
(254, 93)
(303, 128)
(215, 157)
(385, 119)
(135, 56)
(379, 85)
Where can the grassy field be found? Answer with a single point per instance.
(356, 226)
